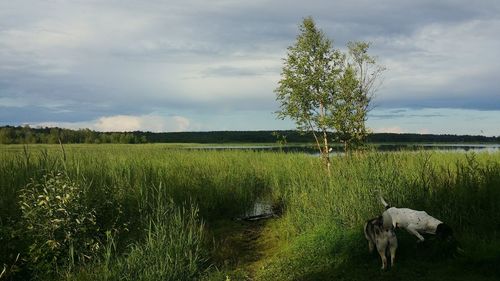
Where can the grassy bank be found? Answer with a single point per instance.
(151, 211)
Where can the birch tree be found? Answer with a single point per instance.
(324, 90)
(307, 85)
(357, 85)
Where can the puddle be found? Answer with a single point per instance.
(260, 210)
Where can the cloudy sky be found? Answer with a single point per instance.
(191, 65)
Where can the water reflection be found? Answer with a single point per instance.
(260, 208)
(377, 147)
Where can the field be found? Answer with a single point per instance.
(158, 212)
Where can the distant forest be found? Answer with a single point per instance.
(25, 134)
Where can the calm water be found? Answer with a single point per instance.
(381, 147)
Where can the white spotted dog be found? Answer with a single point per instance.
(416, 222)
(384, 239)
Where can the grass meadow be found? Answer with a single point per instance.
(160, 212)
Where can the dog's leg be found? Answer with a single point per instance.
(393, 254)
(413, 231)
(370, 246)
(381, 252)
(381, 247)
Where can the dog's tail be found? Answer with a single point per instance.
(387, 206)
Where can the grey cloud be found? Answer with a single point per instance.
(402, 113)
(79, 60)
(489, 102)
(33, 114)
(230, 71)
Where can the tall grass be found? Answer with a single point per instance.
(223, 183)
(122, 186)
(127, 185)
(325, 215)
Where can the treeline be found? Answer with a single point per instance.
(25, 134)
(391, 137)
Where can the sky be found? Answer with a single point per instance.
(193, 65)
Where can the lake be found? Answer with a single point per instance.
(378, 147)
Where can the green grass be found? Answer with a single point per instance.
(319, 236)
(325, 215)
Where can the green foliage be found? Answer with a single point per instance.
(24, 135)
(60, 227)
(319, 235)
(356, 89)
(351, 106)
(280, 140)
(324, 90)
(324, 217)
(120, 185)
(308, 79)
(307, 87)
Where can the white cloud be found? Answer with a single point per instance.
(118, 123)
(181, 123)
(394, 129)
(127, 123)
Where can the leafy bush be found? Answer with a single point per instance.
(60, 229)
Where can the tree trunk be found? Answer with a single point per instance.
(325, 153)
(326, 150)
(315, 137)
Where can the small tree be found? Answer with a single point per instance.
(350, 114)
(308, 84)
(357, 85)
(324, 90)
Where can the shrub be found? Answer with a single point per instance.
(60, 229)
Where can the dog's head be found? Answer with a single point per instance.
(445, 233)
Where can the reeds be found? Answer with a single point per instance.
(135, 188)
